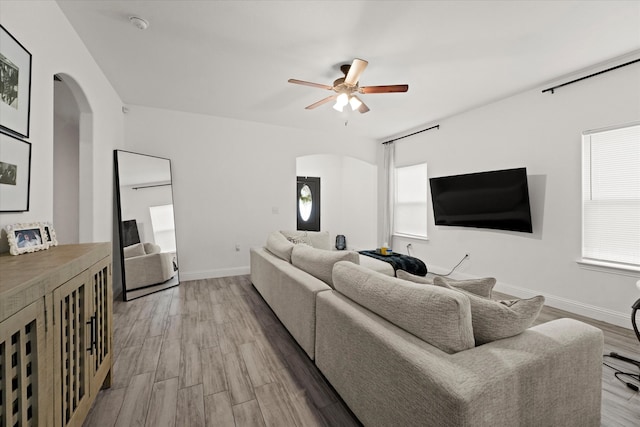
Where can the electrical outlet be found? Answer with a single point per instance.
(237, 247)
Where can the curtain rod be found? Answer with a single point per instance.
(411, 134)
(552, 89)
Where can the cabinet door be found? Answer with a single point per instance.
(71, 344)
(23, 381)
(101, 307)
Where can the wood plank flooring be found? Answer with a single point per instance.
(212, 353)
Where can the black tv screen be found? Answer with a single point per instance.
(494, 199)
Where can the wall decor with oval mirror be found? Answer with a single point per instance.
(147, 235)
(308, 203)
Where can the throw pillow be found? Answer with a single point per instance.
(317, 239)
(481, 287)
(319, 262)
(297, 237)
(136, 249)
(278, 245)
(495, 320)
(440, 317)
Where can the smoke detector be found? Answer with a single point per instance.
(139, 23)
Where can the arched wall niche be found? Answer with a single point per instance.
(72, 162)
(348, 196)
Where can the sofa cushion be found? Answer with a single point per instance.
(278, 245)
(319, 262)
(297, 237)
(493, 320)
(441, 317)
(481, 287)
(317, 239)
(133, 250)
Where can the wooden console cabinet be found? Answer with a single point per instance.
(55, 334)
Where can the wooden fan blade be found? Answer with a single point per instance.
(384, 89)
(356, 69)
(302, 82)
(322, 101)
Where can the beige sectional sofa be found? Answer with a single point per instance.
(406, 353)
(289, 275)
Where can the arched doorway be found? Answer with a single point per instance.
(72, 162)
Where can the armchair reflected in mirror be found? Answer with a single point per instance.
(147, 236)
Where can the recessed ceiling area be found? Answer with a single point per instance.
(233, 58)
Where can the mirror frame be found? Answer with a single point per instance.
(121, 231)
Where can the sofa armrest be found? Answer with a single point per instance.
(549, 375)
(149, 269)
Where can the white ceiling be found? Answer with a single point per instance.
(233, 58)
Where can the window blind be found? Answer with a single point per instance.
(611, 195)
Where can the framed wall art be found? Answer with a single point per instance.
(15, 85)
(15, 174)
(25, 238)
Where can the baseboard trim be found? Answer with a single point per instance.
(213, 274)
(576, 307)
(594, 312)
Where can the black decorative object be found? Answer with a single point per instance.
(15, 85)
(341, 242)
(130, 234)
(15, 174)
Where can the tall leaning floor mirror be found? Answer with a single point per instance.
(144, 197)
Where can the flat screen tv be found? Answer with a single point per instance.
(494, 199)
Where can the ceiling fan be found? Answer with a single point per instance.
(347, 88)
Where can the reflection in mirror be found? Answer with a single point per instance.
(147, 228)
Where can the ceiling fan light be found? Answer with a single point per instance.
(355, 103)
(341, 101)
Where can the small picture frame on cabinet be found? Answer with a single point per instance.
(49, 234)
(26, 237)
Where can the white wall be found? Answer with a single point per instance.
(55, 48)
(348, 197)
(233, 181)
(542, 132)
(66, 161)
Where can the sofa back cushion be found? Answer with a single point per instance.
(493, 320)
(278, 245)
(439, 316)
(133, 250)
(319, 262)
(317, 239)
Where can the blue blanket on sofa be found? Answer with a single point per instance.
(400, 262)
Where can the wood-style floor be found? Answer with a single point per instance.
(212, 353)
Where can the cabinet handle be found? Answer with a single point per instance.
(92, 343)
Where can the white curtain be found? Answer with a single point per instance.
(389, 193)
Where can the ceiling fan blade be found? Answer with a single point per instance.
(356, 69)
(384, 89)
(322, 101)
(363, 107)
(302, 82)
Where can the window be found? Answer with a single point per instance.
(410, 209)
(164, 232)
(611, 196)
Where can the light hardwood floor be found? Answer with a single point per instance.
(212, 353)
